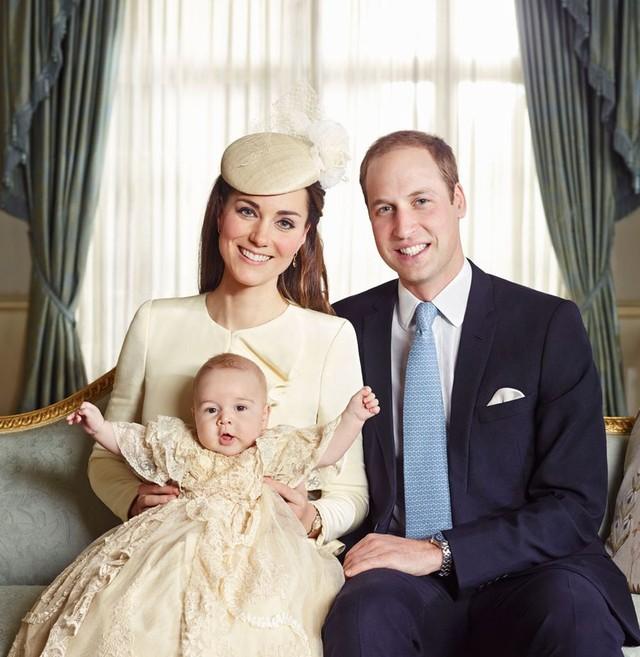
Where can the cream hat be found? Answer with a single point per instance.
(269, 163)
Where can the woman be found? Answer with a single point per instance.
(264, 296)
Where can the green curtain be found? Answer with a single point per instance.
(578, 166)
(607, 41)
(57, 73)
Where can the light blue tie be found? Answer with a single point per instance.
(426, 477)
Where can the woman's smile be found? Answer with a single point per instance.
(253, 256)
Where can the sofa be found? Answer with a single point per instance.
(48, 512)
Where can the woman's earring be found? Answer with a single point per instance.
(294, 262)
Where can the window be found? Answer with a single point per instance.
(195, 75)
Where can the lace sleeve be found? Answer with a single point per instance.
(289, 454)
(158, 452)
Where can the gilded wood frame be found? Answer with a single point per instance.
(49, 414)
(52, 413)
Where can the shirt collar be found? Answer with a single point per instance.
(451, 301)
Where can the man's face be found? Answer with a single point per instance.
(414, 221)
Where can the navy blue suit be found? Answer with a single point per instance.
(527, 477)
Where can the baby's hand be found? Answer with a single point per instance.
(364, 404)
(87, 415)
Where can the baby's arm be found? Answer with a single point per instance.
(362, 406)
(90, 417)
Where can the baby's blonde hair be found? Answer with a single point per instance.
(229, 361)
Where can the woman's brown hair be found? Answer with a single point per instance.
(305, 284)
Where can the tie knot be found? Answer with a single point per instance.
(425, 314)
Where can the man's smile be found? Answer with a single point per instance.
(414, 250)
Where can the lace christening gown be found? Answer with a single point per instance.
(224, 570)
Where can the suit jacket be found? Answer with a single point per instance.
(527, 477)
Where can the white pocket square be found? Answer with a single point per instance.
(505, 395)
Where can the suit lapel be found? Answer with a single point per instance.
(475, 345)
(376, 333)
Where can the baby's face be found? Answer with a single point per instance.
(230, 410)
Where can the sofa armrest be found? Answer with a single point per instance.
(48, 512)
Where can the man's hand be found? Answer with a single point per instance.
(150, 495)
(297, 500)
(407, 555)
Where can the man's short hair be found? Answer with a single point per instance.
(438, 148)
(229, 361)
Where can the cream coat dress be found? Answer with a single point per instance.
(225, 570)
(310, 360)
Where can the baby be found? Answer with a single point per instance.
(226, 568)
(230, 411)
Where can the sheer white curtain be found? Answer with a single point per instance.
(196, 74)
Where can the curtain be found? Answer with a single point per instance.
(196, 74)
(58, 63)
(607, 41)
(577, 171)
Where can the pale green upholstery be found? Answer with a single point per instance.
(15, 601)
(48, 512)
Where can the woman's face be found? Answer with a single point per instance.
(259, 235)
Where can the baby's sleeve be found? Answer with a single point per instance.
(289, 454)
(157, 452)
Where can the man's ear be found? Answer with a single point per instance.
(459, 201)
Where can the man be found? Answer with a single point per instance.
(487, 464)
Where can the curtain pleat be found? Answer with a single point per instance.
(576, 169)
(59, 98)
(606, 38)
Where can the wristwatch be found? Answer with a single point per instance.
(316, 525)
(447, 561)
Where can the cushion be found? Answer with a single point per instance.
(616, 450)
(48, 512)
(15, 602)
(624, 540)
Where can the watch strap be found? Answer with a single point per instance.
(316, 524)
(447, 560)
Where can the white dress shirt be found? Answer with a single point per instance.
(451, 303)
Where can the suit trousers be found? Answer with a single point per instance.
(547, 612)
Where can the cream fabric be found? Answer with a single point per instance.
(229, 563)
(624, 541)
(311, 364)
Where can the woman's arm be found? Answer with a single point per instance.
(111, 478)
(345, 499)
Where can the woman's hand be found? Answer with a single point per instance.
(297, 500)
(150, 495)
